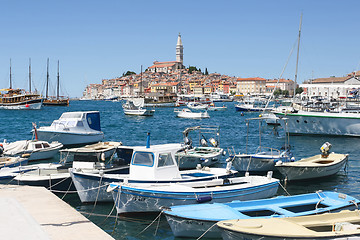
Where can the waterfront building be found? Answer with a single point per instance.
(332, 87)
(251, 85)
(282, 84)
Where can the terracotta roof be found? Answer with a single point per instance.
(251, 79)
(162, 65)
(331, 80)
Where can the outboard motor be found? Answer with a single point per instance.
(213, 142)
(203, 142)
(325, 149)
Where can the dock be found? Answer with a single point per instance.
(36, 213)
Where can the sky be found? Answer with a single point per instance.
(95, 40)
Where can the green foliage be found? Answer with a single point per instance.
(277, 92)
(193, 68)
(129, 73)
(299, 90)
(206, 71)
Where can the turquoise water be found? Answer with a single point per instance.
(166, 128)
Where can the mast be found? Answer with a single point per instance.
(297, 57)
(29, 75)
(58, 83)
(47, 79)
(141, 82)
(10, 75)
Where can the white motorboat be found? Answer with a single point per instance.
(36, 149)
(207, 153)
(152, 164)
(187, 113)
(132, 197)
(212, 107)
(73, 128)
(197, 105)
(136, 107)
(321, 165)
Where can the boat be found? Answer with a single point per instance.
(341, 225)
(264, 158)
(6, 161)
(100, 150)
(206, 153)
(212, 107)
(36, 149)
(152, 164)
(54, 100)
(321, 165)
(187, 113)
(19, 99)
(254, 105)
(136, 107)
(147, 197)
(73, 128)
(197, 105)
(194, 220)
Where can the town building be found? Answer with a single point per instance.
(248, 86)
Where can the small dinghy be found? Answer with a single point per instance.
(342, 225)
(6, 161)
(131, 198)
(194, 220)
(322, 165)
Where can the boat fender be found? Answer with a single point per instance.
(223, 153)
(203, 142)
(25, 155)
(226, 181)
(228, 166)
(102, 157)
(198, 166)
(269, 174)
(213, 142)
(202, 199)
(111, 188)
(292, 159)
(278, 163)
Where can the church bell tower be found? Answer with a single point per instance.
(179, 50)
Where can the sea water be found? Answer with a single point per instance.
(165, 127)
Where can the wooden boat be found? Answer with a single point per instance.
(143, 197)
(194, 220)
(342, 225)
(321, 165)
(6, 161)
(55, 100)
(187, 113)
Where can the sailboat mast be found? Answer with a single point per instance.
(141, 82)
(297, 57)
(29, 75)
(47, 79)
(10, 75)
(58, 83)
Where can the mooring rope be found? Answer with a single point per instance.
(206, 231)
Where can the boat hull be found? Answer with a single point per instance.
(130, 199)
(67, 138)
(140, 112)
(29, 105)
(253, 163)
(320, 123)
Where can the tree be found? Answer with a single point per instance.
(206, 71)
(129, 73)
(299, 90)
(277, 92)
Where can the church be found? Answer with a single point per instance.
(167, 67)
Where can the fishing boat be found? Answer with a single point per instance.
(206, 153)
(321, 165)
(54, 100)
(187, 113)
(341, 225)
(197, 105)
(136, 107)
(264, 158)
(194, 220)
(100, 150)
(36, 149)
(19, 99)
(146, 197)
(73, 128)
(153, 164)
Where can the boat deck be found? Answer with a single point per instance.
(36, 213)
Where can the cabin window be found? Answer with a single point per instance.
(143, 158)
(80, 124)
(71, 124)
(38, 145)
(165, 159)
(46, 145)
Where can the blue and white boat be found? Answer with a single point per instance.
(134, 198)
(195, 220)
(154, 164)
(73, 128)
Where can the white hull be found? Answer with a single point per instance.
(347, 124)
(30, 106)
(192, 115)
(44, 154)
(139, 112)
(67, 138)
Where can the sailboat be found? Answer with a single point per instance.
(19, 99)
(54, 100)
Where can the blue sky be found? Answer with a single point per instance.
(95, 40)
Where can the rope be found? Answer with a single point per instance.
(158, 216)
(97, 195)
(67, 190)
(89, 189)
(206, 231)
(284, 189)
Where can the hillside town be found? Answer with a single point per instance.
(166, 80)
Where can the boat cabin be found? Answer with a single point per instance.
(155, 162)
(78, 121)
